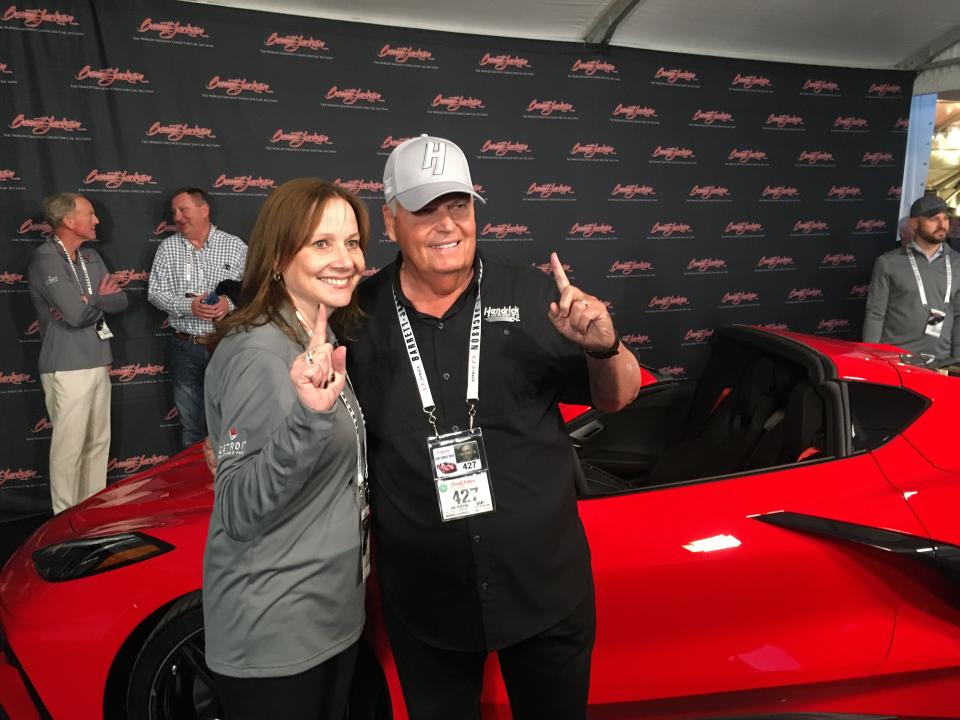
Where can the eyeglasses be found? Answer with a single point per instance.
(459, 210)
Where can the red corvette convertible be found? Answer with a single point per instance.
(778, 537)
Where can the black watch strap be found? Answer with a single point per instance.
(609, 352)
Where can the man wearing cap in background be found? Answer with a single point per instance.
(459, 366)
(186, 270)
(913, 300)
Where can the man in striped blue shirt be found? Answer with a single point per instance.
(186, 270)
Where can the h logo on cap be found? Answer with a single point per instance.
(434, 154)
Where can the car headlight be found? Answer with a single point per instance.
(81, 558)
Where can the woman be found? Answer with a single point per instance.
(284, 566)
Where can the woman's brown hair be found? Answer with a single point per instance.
(284, 225)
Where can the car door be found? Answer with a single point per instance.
(696, 594)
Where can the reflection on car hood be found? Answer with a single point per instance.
(180, 490)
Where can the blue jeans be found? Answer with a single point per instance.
(188, 362)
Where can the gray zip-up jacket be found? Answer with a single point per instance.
(71, 343)
(894, 313)
(282, 588)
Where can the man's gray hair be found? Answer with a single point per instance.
(57, 207)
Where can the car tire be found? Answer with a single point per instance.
(170, 679)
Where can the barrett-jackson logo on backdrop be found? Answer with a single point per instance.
(633, 192)
(815, 158)
(42, 125)
(773, 326)
(696, 337)
(593, 152)
(784, 121)
(171, 418)
(631, 268)
(596, 69)
(675, 230)
(550, 191)
(747, 158)
(172, 30)
(591, 231)
(673, 370)
(41, 429)
(180, 134)
(353, 98)
(803, 228)
(844, 193)
(505, 150)
(105, 78)
(32, 333)
(118, 181)
(17, 382)
(238, 89)
(504, 64)
(712, 118)
(803, 295)
(743, 229)
(706, 266)
(552, 109)
(5, 70)
(894, 192)
(300, 140)
(31, 230)
(128, 466)
(296, 45)
(366, 189)
(885, 91)
(870, 227)
(858, 292)
(774, 263)
(389, 143)
(638, 114)
(668, 303)
(637, 341)
(19, 475)
(779, 193)
(457, 105)
(129, 374)
(9, 180)
(901, 125)
(840, 260)
(674, 155)
(506, 232)
(406, 56)
(821, 88)
(833, 325)
(36, 19)
(123, 278)
(675, 77)
(243, 184)
(709, 193)
(739, 298)
(751, 83)
(12, 282)
(850, 123)
(163, 228)
(547, 268)
(876, 159)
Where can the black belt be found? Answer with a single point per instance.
(194, 339)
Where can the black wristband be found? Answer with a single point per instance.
(609, 352)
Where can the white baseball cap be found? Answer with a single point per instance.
(422, 169)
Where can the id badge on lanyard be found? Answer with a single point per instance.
(459, 466)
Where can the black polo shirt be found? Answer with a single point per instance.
(490, 580)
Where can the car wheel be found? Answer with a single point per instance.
(170, 679)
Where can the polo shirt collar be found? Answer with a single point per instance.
(916, 249)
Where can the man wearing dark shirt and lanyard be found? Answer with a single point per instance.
(459, 367)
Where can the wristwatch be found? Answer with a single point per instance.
(609, 352)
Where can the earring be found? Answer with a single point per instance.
(276, 276)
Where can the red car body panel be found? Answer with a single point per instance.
(765, 619)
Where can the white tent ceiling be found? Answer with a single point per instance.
(905, 34)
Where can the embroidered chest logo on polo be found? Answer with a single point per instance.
(511, 313)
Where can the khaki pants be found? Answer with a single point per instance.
(78, 402)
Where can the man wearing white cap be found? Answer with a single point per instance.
(459, 367)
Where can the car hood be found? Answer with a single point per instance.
(180, 490)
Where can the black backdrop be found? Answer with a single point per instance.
(687, 191)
